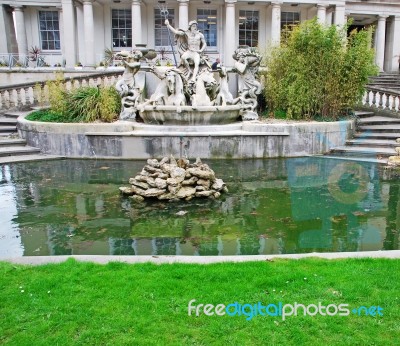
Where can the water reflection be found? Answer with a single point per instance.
(273, 206)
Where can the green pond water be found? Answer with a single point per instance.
(273, 206)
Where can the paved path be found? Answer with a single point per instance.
(38, 260)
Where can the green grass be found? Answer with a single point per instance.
(47, 115)
(118, 304)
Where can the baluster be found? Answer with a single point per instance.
(67, 85)
(27, 96)
(382, 103)
(397, 103)
(379, 100)
(18, 101)
(46, 94)
(12, 96)
(364, 98)
(387, 103)
(2, 99)
(374, 99)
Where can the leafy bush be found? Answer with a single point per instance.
(88, 104)
(57, 94)
(85, 104)
(317, 71)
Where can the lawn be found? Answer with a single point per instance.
(145, 304)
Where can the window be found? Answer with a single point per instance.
(161, 31)
(248, 28)
(207, 25)
(289, 19)
(49, 30)
(121, 26)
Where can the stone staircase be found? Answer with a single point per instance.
(386, 81)
(374, 140)
(12, 147)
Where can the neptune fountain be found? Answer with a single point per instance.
(190, 93)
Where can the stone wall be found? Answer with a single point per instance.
(130, 140)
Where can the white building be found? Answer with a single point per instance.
(80, 30)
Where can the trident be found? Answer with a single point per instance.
(164, 13)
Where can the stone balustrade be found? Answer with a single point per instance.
(26, 95)
(382, 99)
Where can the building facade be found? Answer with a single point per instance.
(72, 31)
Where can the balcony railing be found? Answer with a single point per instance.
(11, 60)
(26, 95)
(382, 99)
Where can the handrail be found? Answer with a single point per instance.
(25, 95)
(382, 99)
(66, 79)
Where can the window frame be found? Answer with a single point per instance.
(252, 30)
(53, 31)
(209, 47)
(172, 22)
(119, 48)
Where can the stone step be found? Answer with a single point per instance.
(377, 135)
(15, 150)
(8, 129)
(381, 128)
(378, 120)
(362, 114)
(15, 114)
(28, 158)
(356, 158)
(7, 134)
(367, 142)
(364, 151)
(8, 121)
(12, 142)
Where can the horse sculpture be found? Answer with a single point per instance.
(205, 90)
(169, 91)
(224, 96)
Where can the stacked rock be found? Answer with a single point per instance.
(395, 160)
(169, 179)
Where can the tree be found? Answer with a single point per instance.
(318, 70)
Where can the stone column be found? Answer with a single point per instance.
(69, 27)
(20, 31)
(393, 49)
(230, 31)
(3, 38)
(321, 13)
(276, 23)
(340, 15)
(88, 25)
(380, 42)
(183, 14)
(136, 22)
(329, 16)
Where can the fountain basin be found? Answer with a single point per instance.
(190, 115)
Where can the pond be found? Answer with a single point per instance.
(275, 206)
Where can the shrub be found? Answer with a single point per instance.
(47, 115)
(88, 104)
(317, 71)
(85, 104)
(57, 94)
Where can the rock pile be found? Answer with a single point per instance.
(395, 160)
(169, 179)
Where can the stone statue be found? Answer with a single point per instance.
(190, 44)
(247, 62)
(169, 91)
(190, 92)
(129, 87)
